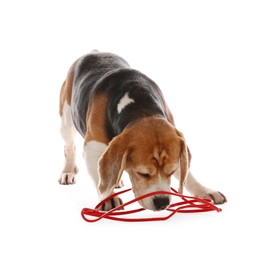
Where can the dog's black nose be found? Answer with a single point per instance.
(161, 203)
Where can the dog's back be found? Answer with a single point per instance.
(107, 73)
(88, 70)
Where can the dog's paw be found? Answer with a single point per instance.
(67, 178)
(216, 196)
(111, 204)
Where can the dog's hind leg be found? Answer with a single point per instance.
(68, 132)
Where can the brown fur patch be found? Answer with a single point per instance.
(96, 120)
(66, 90)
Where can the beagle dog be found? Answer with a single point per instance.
(127, 126)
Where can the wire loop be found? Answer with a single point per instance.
(187, 205)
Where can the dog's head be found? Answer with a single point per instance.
(150, 150)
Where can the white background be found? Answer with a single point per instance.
(215, 61)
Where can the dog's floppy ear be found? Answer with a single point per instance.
(112, 164)
(185, 158)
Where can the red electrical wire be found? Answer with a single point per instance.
(187, 205)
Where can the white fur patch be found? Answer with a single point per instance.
(125, 100)
(68, 130)
(93, 150)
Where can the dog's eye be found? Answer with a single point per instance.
(171, 173)
(144, 174)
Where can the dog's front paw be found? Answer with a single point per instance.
(216, 196)
(67, 178)
(111, 204)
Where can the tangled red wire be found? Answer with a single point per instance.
(187, 205)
